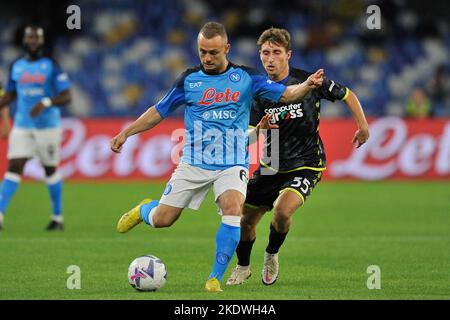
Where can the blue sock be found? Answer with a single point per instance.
(55, 186)
(145, 210)
(8, 188)
(55, 191)
(227, 239)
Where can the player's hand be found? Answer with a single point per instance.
(265, 123)
(316, 79)
(361, 136)
(37, 109)
(117, 142)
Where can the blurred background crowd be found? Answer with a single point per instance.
(128, 53)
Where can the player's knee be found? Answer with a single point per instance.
(249, 220)
(282, 213)
(231, 208)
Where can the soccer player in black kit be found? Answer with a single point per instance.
(301, 155)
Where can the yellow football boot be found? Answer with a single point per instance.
(132, 218)
(213, 285)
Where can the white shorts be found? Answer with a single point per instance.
(189, 185)
(41, 143)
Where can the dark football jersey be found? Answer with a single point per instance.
(300, 146)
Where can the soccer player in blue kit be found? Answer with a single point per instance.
(218, 96)
(40, 87)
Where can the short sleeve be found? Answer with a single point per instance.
(331, 90)
(173, 99)
(263, 87)
(60, 79)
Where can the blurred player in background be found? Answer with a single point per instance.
(218, 97)
(301, 154)
(40, 87)
(5, 124)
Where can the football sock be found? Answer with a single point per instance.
(276, 239)
(147, 210)
(55, 186)
(227, 239)
(243, 251)
(9, 186)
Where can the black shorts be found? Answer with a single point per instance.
(263, 190)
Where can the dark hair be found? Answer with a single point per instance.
(278, 36)
(212, 29)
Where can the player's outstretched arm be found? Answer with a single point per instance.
(294, 93)
(362, 133)
(60, 99)
(146, 121)
(264, 124)
(6, 99)
(5, 125)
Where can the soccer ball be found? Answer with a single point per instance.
(147, 273)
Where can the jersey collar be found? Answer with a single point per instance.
(215, 74)
(283, 81)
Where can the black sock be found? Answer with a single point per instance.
(276, 239)
(243, 251)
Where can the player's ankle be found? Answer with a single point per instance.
(57, 218)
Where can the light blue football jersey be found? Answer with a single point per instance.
(32, 81)
(217, 113)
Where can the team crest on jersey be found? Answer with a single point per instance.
(235, 77)
(168, 189)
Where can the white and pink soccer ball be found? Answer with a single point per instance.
(147, 273)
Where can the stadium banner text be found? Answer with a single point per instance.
(397, 149)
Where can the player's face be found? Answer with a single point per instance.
(275, 59)
(213, 53)
(33, 40)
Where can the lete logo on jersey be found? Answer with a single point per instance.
(211, 96)
(27, 77)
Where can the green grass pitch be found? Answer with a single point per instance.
(343, 228)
